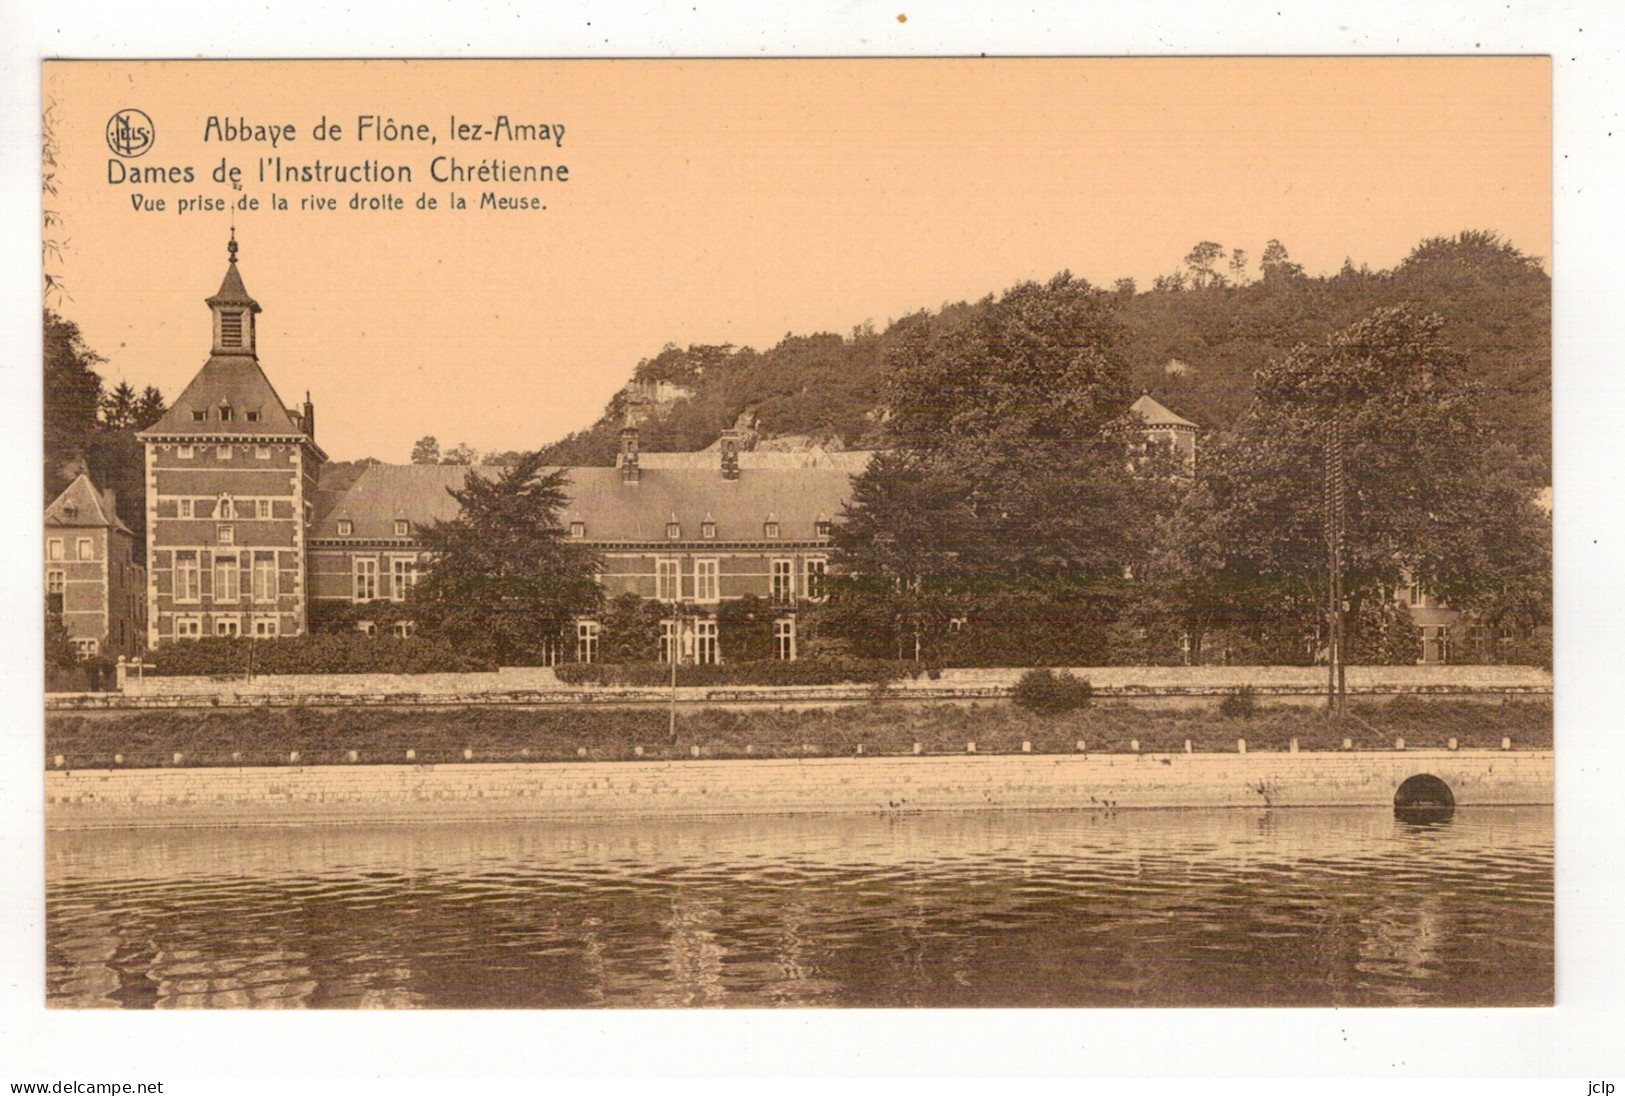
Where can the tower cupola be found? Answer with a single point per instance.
(234, 310)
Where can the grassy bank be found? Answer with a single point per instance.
(264, 736)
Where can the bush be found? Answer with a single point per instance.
(765, 672)
(1051, 692)
(338, 653)
(1240, 704)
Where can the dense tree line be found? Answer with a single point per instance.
(88, 427)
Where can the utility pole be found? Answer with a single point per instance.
(674, 647)
(1333, 496)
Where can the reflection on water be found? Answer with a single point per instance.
(1233, 907)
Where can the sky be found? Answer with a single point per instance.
(730, 202)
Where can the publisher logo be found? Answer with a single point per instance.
(130, 133)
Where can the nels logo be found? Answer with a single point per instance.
(130, 133)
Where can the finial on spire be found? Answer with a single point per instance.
(231, 248)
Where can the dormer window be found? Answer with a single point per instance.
(223, 452)
(226, 510)
(674, 531)
(200, 416)
(252, 416)
(822, 528)
(578, 530)
(770, 529)
(225, 412)
(231, 329)
(402, 527)
(184, 452)
(708, 530)
(346, 527)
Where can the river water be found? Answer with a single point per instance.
(1346, 907)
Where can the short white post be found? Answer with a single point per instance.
(1348, 743)
(1506, 743)
(354, 756)
(1081, 747)
(1187, 745)
(468, 755)
(581, 751)
(1399, 743)
(293, 757)
(1292, 747)
(1026, 747)
(1452, 743)
(1134, 745)
(1241, 745)
(411, 755)
(917, 748)
(970, 747)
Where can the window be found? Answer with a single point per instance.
(770, 529)
(784, 639)
(586, 641)
(225, 412)
(812, 586)
(197, 416)
(783, 588)
(231, 329)
(346, 527)
(265, 627)
(228, 626)
(366, 578)
(86, 648)
(186, 576)
(262, 451)
(705, 642)
(56, 584)
(403, 575)
(708, 530)
(674, 530)
(185, 506)
(366, 627)
(405, 628)
(705, 580)
(578, 530)
(227, 509)
(666, 574)
(403, 528)
(228, 534)
(265, 580)
(189, 627)
(262, 509)
(665, 639)
(87, 549)
(822, 528)
(226, 588)
(223, 452)
(53, 548)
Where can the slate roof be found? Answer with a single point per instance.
(81, 506)
(234, 379)
(797, 498)
(1152, 413)
(232, 290)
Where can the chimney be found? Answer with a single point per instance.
(307, 421)
(628, 459)
(110, 503)
(730, 454)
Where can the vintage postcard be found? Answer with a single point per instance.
(907, 534)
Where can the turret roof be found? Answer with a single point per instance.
(81, 506)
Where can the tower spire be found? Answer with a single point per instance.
(233, 308)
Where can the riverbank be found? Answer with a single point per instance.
(311, 795)
(236, 737)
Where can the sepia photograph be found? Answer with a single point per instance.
(893, 533)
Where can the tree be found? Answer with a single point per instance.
(149, 409)
(1200, 264)
(1238, 267)
(426, 450)
(504, 581)
(1001, 486)
(120, 407)
(73, 391)
(462, 453)
(1276, 265)
(1429, 497)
